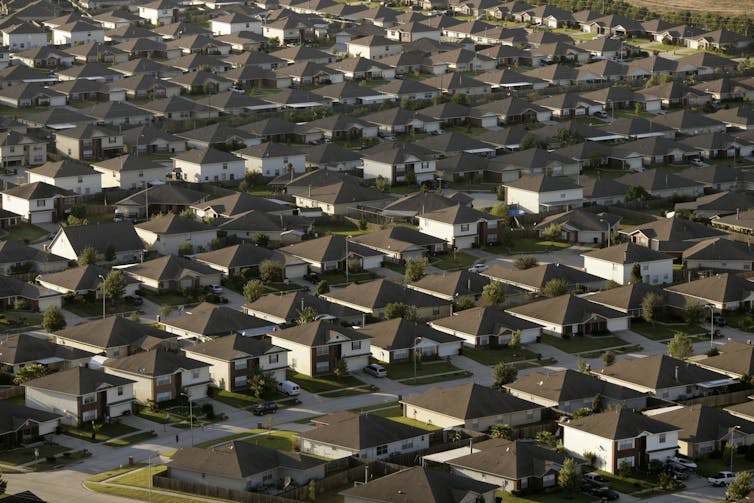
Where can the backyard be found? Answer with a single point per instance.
(662, 331)
(26, 233)
(453, 261)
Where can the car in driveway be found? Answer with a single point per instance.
(478, 267)
(375, 370)
(603, 492)
(685, 463)
(721, 479)
(133, 300)
(265, 408)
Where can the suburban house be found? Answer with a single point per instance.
(19, 150)
(616, 263)
(16, 257)
(167, 233)
(208, 165)
(735, 359)
(171, 273)
(451, 285)
(718, 254)
(207, 321)
(80, 395)
(460, 226)
(398, 244)
(541, 193)
(22, 350)
(487, 327)
(724, 292)
(398, 339)
(400, 162)
(129, 171)
(535, 278)
(366, 436)
(14, 292)
(234, 359)
(161, 375)
(272, 159)
(621, 436)
(36, 202)
(89, 142)
(22, 425)
(627, 298)
(82, 280)
(330, 253)
(318, 347)
(470, 406)
(69, 175)
(341, 198)
(119, 238)
(245, 258)
(671, 235)
(286, 308)
(579, 226)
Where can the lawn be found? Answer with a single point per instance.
(453, 261)
(396, 414)
(631, 483)
(376, 407)
(26, 233)
(92, 308)
(139, 477)
(466, 130)
(626, 349)
(740, 321)
(104, 433)
(405, 370)
(339, 278)
(708, 466)
(491, 357)
(581, 344)
(282, 440)
(226, 439)
(131, 439)
(24, 455)
(441, 378)
(662, 332)
(529, 245)
(113, 473)
(143, 495)
(550, 497)
(346, 229)
(243, 399)
(166, 298)
(19, 319)
(324, 384)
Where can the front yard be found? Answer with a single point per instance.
(12, 319)
(528, 245)
(324, 384)
(24, 455)
(103, 433)
(26, 233)
(90, 308)
(583, 343)
(244, 398)
(405, 370)
(662, 331)
(277, 439)
(505, 354)
(453, 261)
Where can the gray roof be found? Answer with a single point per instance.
(361, 431)
(208, 156)
(627, 253)
(212, 320)
(79, 278)
(565, 310)
(77, 381)
(538, 276)
(657, 372)
(120, 235)
(12, 252)
(289, 305)
(319, 333)
(38, 190)
(115, 331)
(620, 424)
(566, 385)
(153, 363)
(172, 223)
(170, 267)
(327, 249)
(398, 333)
(25, 348)
(235, 347)
(378, 293)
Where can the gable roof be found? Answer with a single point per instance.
(565, 310)
(719, 249)
(287, 306)
(511, 459)
(234, 347)
(24, 348)
(319, 333)
(397, 238)
(170, 267)
(327, 249)
(657, 372)
(537, 277)
(483, 321)
(675, 229)
(212, 320)
(38, 190)
(120, 235)
(77, 381)
(451, 285)
(153, 363)
(469, 401)
(399, 333)
(569, 384)
(626, 297)
(721, 288)
(172, 223)
(115, 331)
(734, 358)
(361, 431)
(627, 253)
(457, 214)
(378, 293)
(79, 278)
(619, 424)
(700, 423)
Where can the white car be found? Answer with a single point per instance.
(686, 463)
(375, 370)
(722, 479)
(216, 288)
(478, 268)
(697, 162)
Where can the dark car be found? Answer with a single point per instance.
(312, 277)
(603, 492)
(133, 300)
(265, 408)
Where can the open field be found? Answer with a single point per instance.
(722, 7)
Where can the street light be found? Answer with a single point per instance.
(191, 416)
(348, 238)
(417, 340)
(734, 429)
(608, 230)
(711, 323)
(103, 294)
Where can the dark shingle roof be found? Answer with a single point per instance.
(657, 372)
(469, 401)
(361, 431)
(77, 381)
(620, 424)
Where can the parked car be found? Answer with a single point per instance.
(686, 463)
(719, 320)
(721, 479)
(478, 267)
(289, 388)
(375, 370)
(603, 492)
(216, 288)
(133, 300)
(697, 162)
(265, 408)
(312, 277)
(594, 478)
(601, 114)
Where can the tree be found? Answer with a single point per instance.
(261, 239)
(493, 293)
(185, 248)
(680, 346)
(652, 306)
(253, 290)
(500, 192)
(597, 404)
(53, 319)
(88, 256)
(109, 253)
(464, 302)
(501, 431)
(3, 484)
(636, 193)
(503, 374)
(552, 232)
(400, 310)
(555, 288)
(115, 285)
(381, 183)
(546, 438)
(261, 384)
(609, 285)
(322, 288)
(271, 270)
(501, 210)
(583, 366)
(581, 412)
(515, 341)
(635, 277)
(608, 358)
(531, 141)
(307, 315)
(567, 137)
(165, 311)
(341, 369)
(416, 269)
(568, 478)
(740, 487)
(29, 372)
(525, 262)
(460, 99)
(693, 313)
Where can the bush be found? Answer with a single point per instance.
(208, 410)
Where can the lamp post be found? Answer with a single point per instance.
(348, 238)
(417, 340)
(191, 416)
(734, 429)
(608, 230)
(103, 294)
(711, 323)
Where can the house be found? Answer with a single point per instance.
(118, 237)
(36, 202)
(330, 253)
(399, 120)
(317, 348)
(451, 285)
(20, 150)
(243, 466)
(161, 375)
(735, 359)
(602, 191)
(80, 395)
(31, 94)
(722, 292)
(671, 235)
(78, 32)
(627, 298)
(272, 159)
(14, 292)
(704, 429)
(374, 47)
(177, 108)
(114, 337)
(460, 226)
(96, 52)
(24, 35)
(579, 226)
(665, 377)
(621, 436)
(159, 12)
(159, 198)
(22, 350)
(374, 296)
(420, 485)
(366, 436)
(410, 205)
(234, 23)
(219, 135)
(471, 406)
(20, 425)
(168, 233)
(616, 263)
(68, 175)
(534, 162)
(397, 339)
(235, 358)
(207, 321)
(286, 308)
(89, 142)
(17, 257)
(204, 165)
(535, 278)
(719, 254)
(345, 127)
(244, 260)
(83, 280)
(129, 171)
(400, 162)
(571, 315)
(535, 194)
(480, 327)
(171, 273)
(341, 198)
(718, 204)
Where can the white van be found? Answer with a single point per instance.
(289, 388)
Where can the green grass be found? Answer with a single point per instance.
(24, 455)
(581, 344)
(113, 473)
(283, 440)
(466, 130)
(491, 357)
(441, 378)
(347, 229)
(661, 332)
(165, 298)
(740, 321)
(104, 433)
(323, 384)
(131, 439)
(225, 439)
(453, 261)
(339, 278)
(19, 319)
(631, 114)
(139, 477)
(627, 349)
(549, 497)
(396, 414)
(403, 370)
(534, 364)
(142, 495)
(348, 392)
(631, 483)
(370, 408)
(242, 399)
(92, 308)
(25, 232)
(528, 245)
(708, 466)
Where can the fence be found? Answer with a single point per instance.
(11, 392)
(163, 482)
(413, 458)
(361, 471)
(721, 399)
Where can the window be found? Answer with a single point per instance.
(435, 310)
(120, 390)
(322, 350)
(355, 345)
(91, 398)
(562, 195)
(381, 450)
(274, 358)
(267, 477)
(464, 227)
(645, 267)
(225, 165)
(195, 374)
(409, 444)
(81, 179)
(624, 445)
(164, 381)
(239, 381)
(323, 366)
(662, 438)
(529, 414)
(41, 203)
(240, 365)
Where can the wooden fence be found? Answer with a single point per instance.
(163, 482)
(359, 471)
(722, 399)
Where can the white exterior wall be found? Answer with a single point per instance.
(60, 37)
(731, 265)
(21, 41)
(36, 210)
(530, 201)
(87, 184)
(130, 179)
(167, 244)
(373, 53)
(50, 401)
(578, 442)
(275, 166)
(654, 273)
(234, 170)
(300, 357)
(221, 28)
(337, 452)
(450, 233)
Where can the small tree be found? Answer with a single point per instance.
(311, 490)
(552, 232)
(500, 192)
(680, 346)
(581, 412)
(253, 290)
(590, 458)
(381, 183)
(515, 341)
(322, 287)
(53, 319)
(624, 469)
(3, 484)
(609, 285)
(109, 253)
(341, 369)
(493, 293)
(29, 372)
(546, 438)
(582, 365)
(416, 269)
(568, 478)
(608, 358)
(185, 248)
(500, 210)
(261, 384)
(271, 270)
(636, 193)
(88, 256)
(464, 302)
(597, 403)
(501, 431)
(400, 310)
(523, 262)
(555, 288)
(115, 285)
(740, 487)
(503, 374)
(635, 276)
(261, 239)
(307, 315)
(693, 313)
(652, 306)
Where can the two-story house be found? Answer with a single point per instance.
(317, 348)
(159, 12)
(208, 165)
(272, 159)
(167, 233)
(460, 226)
(36, 202)
(616, 263)
(18, 150)
(89, 142)
(129, 171)
(400, 162)
(542, 193)
(69, 175)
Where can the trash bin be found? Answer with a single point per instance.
(130, 460)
